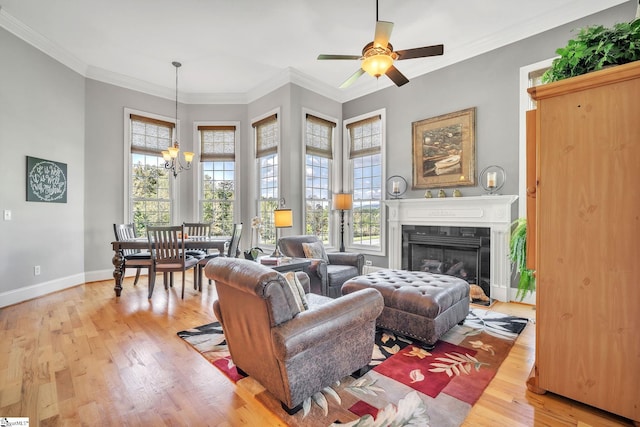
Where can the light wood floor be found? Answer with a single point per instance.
(84, 357)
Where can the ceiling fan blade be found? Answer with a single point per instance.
(396, 76)
(421, 52)
(383, 33)
(339, 57)
(352, 79)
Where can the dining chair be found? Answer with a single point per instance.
(199, 229)
(166, 246)
(133, 258)
(230, 252)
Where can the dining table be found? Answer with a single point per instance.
(142, 243)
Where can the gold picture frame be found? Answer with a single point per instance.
(444, 150)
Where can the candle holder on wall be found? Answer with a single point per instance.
(492, 179)
(396, 186)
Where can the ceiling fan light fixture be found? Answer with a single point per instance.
(377, 65)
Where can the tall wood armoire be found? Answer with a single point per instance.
(587, 238)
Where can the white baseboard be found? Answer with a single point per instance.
(26, 293)
(16, 296)
(530, 298)
(96, 276)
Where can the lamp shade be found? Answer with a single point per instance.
(283, 218)
(377, 65)
(342, 201)
(188, 156)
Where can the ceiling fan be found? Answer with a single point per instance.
(378, 56)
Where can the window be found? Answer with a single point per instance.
(217, 177)
(365, 142)
(318, 159)
(150, 196)
(267, 139)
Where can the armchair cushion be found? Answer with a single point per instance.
(297, 290)
(315, 250)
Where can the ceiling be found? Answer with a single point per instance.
(237, 50)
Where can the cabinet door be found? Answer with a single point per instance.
(532, 179)
(588, 208)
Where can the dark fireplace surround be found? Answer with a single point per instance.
(463, 252)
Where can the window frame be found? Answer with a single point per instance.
(335, 180)
(255, 122)
(198, 188)
(128, 216)
(348, 184)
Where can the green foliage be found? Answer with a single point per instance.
(151, 195)
(518, 256)
(594, 48)
(317, 221)
(218, 207)
(366, 223)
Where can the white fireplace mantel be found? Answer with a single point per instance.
(493, 212)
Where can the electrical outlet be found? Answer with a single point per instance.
(36, 270)
(368, 262)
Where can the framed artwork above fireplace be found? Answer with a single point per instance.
(444, 150)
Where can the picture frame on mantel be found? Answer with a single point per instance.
(444, 150)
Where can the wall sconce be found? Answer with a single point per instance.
(171, 154)
(396, 186)
(342, 202)
(492, 179)
(282, 218)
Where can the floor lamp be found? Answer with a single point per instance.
(342, 202)
(282, 218)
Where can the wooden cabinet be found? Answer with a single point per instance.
(587, 238)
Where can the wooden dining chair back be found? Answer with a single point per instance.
(232, 251)
(201, 229)
(133, 258)
(166, 245)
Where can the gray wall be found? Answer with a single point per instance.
(49, 111)
(489, 82)
(42, 114)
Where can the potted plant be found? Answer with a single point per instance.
(594, 48)
(518, 256)
(256, 229)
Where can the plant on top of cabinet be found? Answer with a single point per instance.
(594, 48)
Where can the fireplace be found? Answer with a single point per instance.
(483, 223)
(462, 252)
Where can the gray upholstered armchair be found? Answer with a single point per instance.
(326, 274)
(292, 353)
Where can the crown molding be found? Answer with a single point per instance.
(561, 15)
(40, 42)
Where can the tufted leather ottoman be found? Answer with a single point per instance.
(417, 304)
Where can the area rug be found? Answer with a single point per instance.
(404, 385)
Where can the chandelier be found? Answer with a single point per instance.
(171, 155)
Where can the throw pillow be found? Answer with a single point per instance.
(297, 290)
(315, 250)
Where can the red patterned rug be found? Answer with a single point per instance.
(405, 384)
